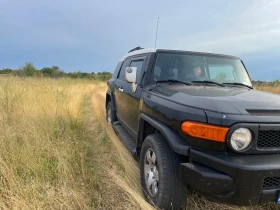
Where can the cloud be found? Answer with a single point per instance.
(252, 29)
(242, 43)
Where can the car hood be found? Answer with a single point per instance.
(228, 100)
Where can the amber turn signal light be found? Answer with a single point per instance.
(205, 131)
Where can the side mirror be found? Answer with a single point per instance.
(130, 74)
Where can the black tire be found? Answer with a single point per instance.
(172, 192)
(110, 114)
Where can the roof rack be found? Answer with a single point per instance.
(136, 48)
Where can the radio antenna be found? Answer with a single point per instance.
(156, 34)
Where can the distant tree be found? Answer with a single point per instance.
(60, 73)
(103, 76)
(28, 69)
(6, 71)
(52, 71)
(277, 82)
(56, 68)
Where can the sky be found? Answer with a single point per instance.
(91, 36)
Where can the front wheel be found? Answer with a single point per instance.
(160, 179)
(110, 114)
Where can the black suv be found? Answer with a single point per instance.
(195, 120)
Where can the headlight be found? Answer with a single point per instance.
(240, 138)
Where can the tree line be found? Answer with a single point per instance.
(29, 70)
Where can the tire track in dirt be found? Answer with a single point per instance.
(128, 179)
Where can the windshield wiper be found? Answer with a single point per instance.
(174, 80)
(209, 82)
(238, 83)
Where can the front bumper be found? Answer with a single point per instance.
(233, 179)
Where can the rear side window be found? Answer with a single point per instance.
(122, 72)
(139, 65)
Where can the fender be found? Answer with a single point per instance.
(176, 143)
(108, 93)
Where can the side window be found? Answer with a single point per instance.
(139, 65)
(122, 72)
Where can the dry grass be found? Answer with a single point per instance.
(57, 151)
(273, 89)
(42, 160)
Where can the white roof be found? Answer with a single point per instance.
(137, 52)
(149, 50)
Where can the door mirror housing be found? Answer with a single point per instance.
(130, 74)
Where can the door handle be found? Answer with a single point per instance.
(121, 89)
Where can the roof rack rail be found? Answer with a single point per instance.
(136, 48)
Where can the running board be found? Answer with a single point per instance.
(126, 138)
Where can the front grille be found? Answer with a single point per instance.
(271, 182)
(268, 139)
(263, 112)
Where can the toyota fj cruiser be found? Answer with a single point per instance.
(195, 120)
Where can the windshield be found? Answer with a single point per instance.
(193, 67)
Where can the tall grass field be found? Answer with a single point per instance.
(58, 152)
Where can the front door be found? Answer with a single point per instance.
(128, 101)
(118, 92)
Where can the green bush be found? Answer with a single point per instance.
(28, 69)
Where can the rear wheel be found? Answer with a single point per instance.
(110, 114)
(160, 179)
